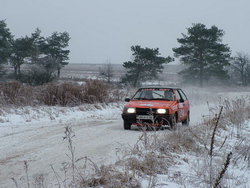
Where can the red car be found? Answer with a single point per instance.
(157, 107)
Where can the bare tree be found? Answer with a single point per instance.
(240, 64)
(107, 71)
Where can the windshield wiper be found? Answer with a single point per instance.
(143, 98)
(161, 99)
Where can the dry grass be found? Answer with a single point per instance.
(51, 94)
(237, 111)
(96, 91)
(221, 152)
(109, 176)
(66, 94)
(15, 93)
(118, 95)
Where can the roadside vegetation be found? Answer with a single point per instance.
(62, 94)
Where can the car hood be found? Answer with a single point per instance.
(149, 104)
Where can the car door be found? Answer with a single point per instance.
(183, 105)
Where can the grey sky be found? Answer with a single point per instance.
(104, 30)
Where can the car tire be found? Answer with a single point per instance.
(173, 123)
(186, 121)
(127, 125)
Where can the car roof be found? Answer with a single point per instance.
(158, 87)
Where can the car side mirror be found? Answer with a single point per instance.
(127, 99)
(181, 100)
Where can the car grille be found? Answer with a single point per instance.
(145, 111)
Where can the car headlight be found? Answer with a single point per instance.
(161, 111)
(131, 110)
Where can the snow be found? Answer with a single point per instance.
(35, 135)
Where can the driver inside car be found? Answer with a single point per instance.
(148, 95)
(169, 95)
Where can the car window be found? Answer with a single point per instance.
(182, 95)
(137, 95)
(178, 95)
(169, 95)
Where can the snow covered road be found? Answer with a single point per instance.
(37, 138)
(98, 135)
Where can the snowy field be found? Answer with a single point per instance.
(35, 135)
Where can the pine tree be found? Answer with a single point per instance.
(203, 54)
(147, 65)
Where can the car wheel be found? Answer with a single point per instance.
(186, 121)
(173, 123)
(127, 125)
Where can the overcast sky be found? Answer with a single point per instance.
(103, 31)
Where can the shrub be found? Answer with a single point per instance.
(35, 78)
(96, 91)
(109, 176)
(42, 72)
(15, 93)
(66, 94)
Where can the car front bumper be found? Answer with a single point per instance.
(154, 120)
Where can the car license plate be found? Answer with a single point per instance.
(144, 117)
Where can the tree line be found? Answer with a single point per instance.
(202, 52)
(43, 56)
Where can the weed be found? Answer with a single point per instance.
(237, 112)
(66, 94)
(213, 134)
(109, 176)
(40, 181)
(69, 135)
(51, 94)
(26, 172)
(96, 91)
(15, 93)
(222, 172)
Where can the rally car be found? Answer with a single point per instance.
(156, 107)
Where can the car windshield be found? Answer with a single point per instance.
(160, 94)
